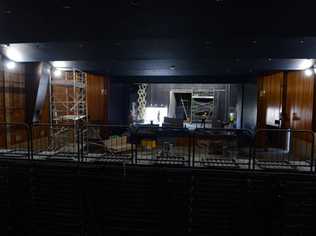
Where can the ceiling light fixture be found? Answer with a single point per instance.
(59, 64)
(57, 73)
(172, 67)
(306, 64)
(7, 12)
(12, 53)
(10, 65)
(135, 3)
(308, 72)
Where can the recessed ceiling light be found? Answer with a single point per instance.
(208, 44)
(134, 3)
(172, 67)
(117, 44)
(7, 12)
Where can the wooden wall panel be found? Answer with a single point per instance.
(15, 101)
(299, 110)
(97, 98)
(300, 101)
(261, 104)
(2, 107)
(290, 96)
(270, 99)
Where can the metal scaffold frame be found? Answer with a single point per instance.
(201, 107)
(68, 108)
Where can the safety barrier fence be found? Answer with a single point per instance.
(265, 149)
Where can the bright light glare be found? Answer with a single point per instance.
(10, 65)
(305, 64)
(155, 114)
(59, 64)
(57, 73)
(308, 72)
(13, 54)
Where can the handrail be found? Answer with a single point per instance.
(136, 134)
(27, 129)
(290, 132)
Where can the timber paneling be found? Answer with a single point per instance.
(15, 99)
(299, 107)
(97, 98)
(300, 101)
(270, 98)
(288, 96)
(2, 107)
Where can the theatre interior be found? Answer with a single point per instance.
(166, 127)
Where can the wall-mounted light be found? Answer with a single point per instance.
(10, 65)
(308, 72)
(59, 64)
(12, 53)
(306, 64)
(57, 73)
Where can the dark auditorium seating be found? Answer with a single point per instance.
(56, 198)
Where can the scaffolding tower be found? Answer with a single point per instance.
(68, 109)
(202, 101)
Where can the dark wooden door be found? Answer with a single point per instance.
(97, 94)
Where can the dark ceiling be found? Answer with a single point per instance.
(218, 39)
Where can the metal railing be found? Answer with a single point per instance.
(283, 149)
(222, 148)
(15, 141)
(107, 143)
(163, 146)
(267, 149)
(55, 141)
